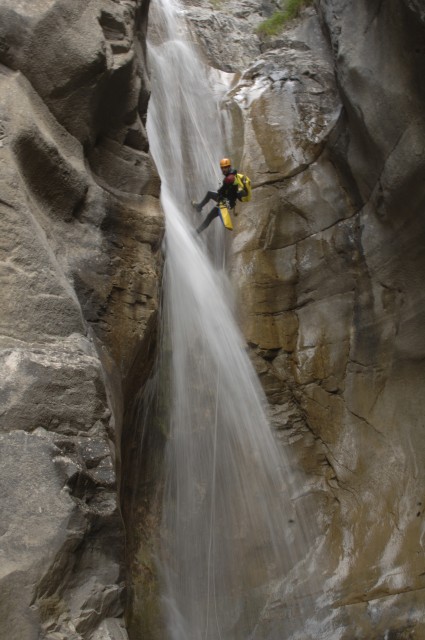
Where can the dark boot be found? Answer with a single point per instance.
(197, 206)
(210, 195)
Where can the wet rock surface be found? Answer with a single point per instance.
(328, 123)
(327, 261)
(81, 229)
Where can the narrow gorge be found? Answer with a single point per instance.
(143, 493)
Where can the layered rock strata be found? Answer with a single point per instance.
(80, 228)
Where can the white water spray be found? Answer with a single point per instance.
(229, 530)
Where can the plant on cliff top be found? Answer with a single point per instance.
(277, 21)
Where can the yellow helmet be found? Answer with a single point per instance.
(225, 162)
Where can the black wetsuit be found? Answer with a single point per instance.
(227, 192)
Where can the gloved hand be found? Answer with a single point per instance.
(229, 179)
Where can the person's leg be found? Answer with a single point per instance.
(210, 195)
(215, 211)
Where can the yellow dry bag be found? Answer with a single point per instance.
(225, 216)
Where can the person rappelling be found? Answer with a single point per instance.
(235, 187)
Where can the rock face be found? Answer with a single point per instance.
(80, 230)
(327, 261)
(328, 265)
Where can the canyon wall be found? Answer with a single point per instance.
(328, 266)
(80, 228)
(326, 260)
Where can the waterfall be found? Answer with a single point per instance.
(229, 529)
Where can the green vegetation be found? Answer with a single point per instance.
(276, 22)
(51, 607)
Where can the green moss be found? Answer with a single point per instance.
(51, 607)
(280, 18)
(144, 619)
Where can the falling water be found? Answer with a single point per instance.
(229, 530)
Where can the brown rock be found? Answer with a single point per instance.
(80, 266)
